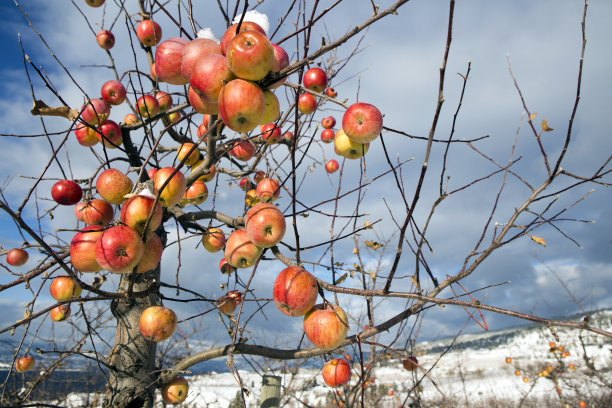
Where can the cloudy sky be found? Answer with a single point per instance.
(397, 69)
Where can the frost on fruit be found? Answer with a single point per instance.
(256, 17)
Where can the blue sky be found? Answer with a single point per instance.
(397, 70)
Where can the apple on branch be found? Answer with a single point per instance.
(149, 33)
(240, 251)
(362, 122)
(137, 210)
(64, 288)
(265, 225)
(25, 363)
(250, 55)
(174, 190)
(105, 39)
(16, 257)
(83, 249)
(193, 51)
(66, 192)
(157, 323)
(336, 372)
(175, 391)
(113, 92)
(168, 57)
(242, 105)
(295, 291)
(315, 79)
(213, 240)
(326, 326)
(113, 185)
(97, 212)
(119, 249)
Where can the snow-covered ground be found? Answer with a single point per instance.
(464, 373)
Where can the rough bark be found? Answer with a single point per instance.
(133, 377)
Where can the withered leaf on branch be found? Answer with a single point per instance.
(342, 279)
(373, 244)
(538, 240)
(42, 109)
(545, 126)
(532, 116)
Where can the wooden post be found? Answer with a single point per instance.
(270, 391)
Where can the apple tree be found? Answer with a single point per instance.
(219, 172)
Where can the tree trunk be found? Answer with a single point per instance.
(133, 376)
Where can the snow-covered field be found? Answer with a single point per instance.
(474, 374)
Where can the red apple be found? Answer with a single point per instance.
(258, 176)
(328, 122)
(119, 249)
(64, 288)
(331, 92)
(332, 166)
(86, 135)
(175, 188)
(153, 249)
(240, 251)
(326, 326)
(209, 74)
(188, 154)
(307, 103)
(336, 372)
(272, 110)
(250, 55)
(295, 291)
(410, 363)
(174, 117)
(200, 104)
(268, 190)
(226, 268)
(347, 147)
(94, 3)
(230, 33)
(113, 92)
(60, 313)
(130, 119)
(25, 363)
(202, 129)
(241, 105)
(315, 79)
(227, 304)
(270, 133)
(193, 51)
(175, 391)
(151, 173)
(213, 240)
(362, 122)
(136, 211)
(245, 184)
(66, 192)
(281, 61)
(105, 39)
(288, 137)
(147, 106)
(328, 135)
(164, 100)
(149, 33)
(95, 111)
(16, 257)
(168, 61)
(97, 212)
(78, 210)
(265, 225)
(196, 193)
(242, 150)
(157, 323)
(113, 185)
(109, 133)
(83, 249)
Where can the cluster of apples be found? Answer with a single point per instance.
(230, 79)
